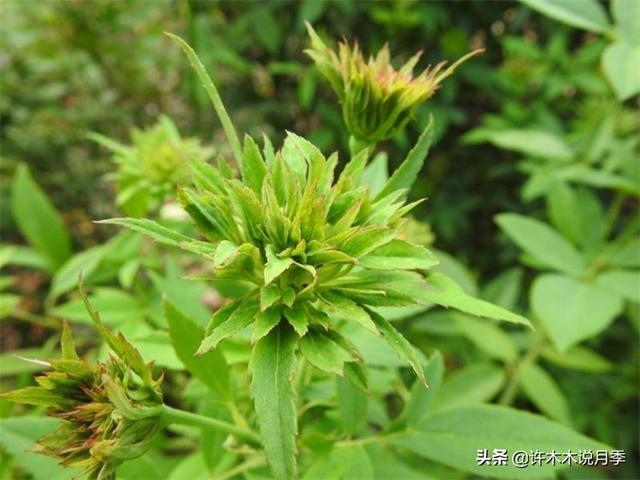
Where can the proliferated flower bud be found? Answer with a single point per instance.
(150, 168)
(108, 412)
(377, 100)
(313, 251)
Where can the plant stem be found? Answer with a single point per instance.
(40, 320)
(250, 464)
(612, 214)
(356, 145)
(182, 417)
(368, 440)
(509, 393)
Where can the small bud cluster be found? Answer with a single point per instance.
(377, 100)
(108, 412)
(149, 168)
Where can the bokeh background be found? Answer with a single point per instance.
(74, 67)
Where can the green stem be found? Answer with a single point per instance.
(181, 417)
(250, 464)
(612, 214)
(40, 320)
(509, 393)
(368, 440)
(356, 145)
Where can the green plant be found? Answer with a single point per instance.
(206, 417)
(109, 412)
(623, 53)
(312, 252)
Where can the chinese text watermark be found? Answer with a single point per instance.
(531, 458)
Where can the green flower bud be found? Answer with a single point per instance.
(312, 249)
(150, 168)
(377, 100)
(108, 412)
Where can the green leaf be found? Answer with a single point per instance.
(149, 465)
(366, 240)
(457, 271)
(33, 396)
(620, 64)
(479, 382)
(447, 293)
(578, 358)
(265, 322)
(9, 303)
(388, 466)
(156, 344)
(407, 172)
(572, 311)
(117, 342)
(115, 306)
(24, 257)
(192, 467)
(340, 307)
(542, 242)
(600, 179)
(187, 294)
(275, 265)
(13, 362)
(587, 14)
(398, 254)
(212, 91)
(625, 254)
(453, 437)
(529, 142)
(67, 345)
(376, 174)
(400, 344)
(186, 335)
(268, 296)
(323, 352)
(345, 463)
(504, 290)
(622, 282)
(544, 392)
(86, 262)
(271, 368)
(352, 406)
(239, 319)
(253, 167)
(37, 219)
(353, 170)
(17, 437)
(357, 374)
(297, 318)
(150, 228)
(564, 211)
(626, 14)
(487, 337)
(421, 400)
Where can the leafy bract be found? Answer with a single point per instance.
(271, 368)
(444, 291)
(407, 172)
